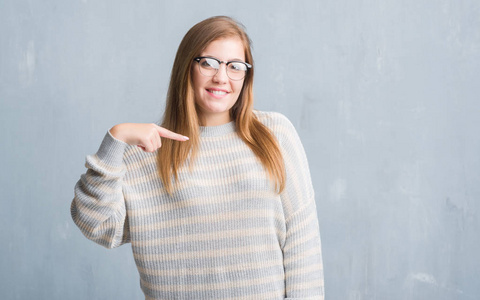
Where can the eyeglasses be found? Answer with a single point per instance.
(209, 66)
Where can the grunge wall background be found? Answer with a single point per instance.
(384, 95)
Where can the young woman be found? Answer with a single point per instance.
(225, 209)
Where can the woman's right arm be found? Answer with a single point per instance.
(98, 207)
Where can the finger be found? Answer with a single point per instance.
(156, 141)
(147, 146)
(171, 135)
(150, 147)
(159, 141)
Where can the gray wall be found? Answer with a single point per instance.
(382, 93)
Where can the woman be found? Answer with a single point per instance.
(225, 209)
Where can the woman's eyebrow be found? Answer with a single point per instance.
(233, 59)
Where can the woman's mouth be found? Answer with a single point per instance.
(217, 93)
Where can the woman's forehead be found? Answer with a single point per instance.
(225, 48)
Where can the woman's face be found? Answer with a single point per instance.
(215, 95)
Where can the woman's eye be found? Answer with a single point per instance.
(207, 63)
(237, 67)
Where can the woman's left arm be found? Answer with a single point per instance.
(302, 253)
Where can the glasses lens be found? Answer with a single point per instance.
(236, 70)
(208, 66)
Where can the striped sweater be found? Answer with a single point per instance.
(224, 234)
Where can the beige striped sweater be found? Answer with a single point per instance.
(225, 234)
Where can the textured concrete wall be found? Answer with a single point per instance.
(384, 95)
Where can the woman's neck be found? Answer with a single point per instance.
(215, 119)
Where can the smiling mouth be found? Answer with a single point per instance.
(217, 92)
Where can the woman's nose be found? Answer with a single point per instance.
(221, 76)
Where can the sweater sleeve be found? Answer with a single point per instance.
(302, 254)
(98, 207)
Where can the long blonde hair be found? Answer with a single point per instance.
(181, 116)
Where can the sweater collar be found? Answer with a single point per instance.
(219, 130)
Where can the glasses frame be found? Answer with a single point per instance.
(220, 62)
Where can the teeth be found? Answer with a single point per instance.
(217, 92)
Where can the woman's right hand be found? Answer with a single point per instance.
(144, 135)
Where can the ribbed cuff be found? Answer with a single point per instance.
(111, 150)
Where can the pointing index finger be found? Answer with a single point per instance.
(163, 132)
